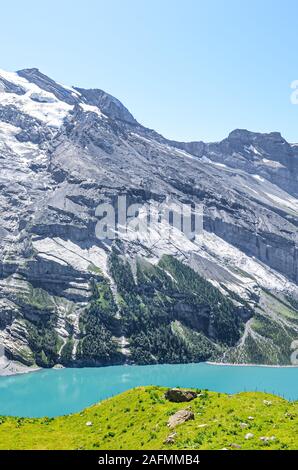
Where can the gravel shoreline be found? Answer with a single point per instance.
(8, 368)
(251, 365)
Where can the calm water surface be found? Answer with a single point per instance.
(60, 391)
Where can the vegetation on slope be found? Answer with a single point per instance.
(98, 324)
(43, 341)
(167, 313)
(271, 333)
(171, 314)
(39, 322)
(137, 419)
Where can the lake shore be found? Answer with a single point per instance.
(273, 366)
(10, 368)
(58, 392)
(230, 364)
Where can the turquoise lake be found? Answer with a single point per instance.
(60, 391)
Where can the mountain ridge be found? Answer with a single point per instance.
(65, 150)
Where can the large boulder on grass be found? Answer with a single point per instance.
(178, 395)
(180, 417)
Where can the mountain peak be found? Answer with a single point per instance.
(33, 75)
(28, 70)
(236, 133)
(107, 103)
(244, 134)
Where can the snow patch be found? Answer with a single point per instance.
(253, 149)
(272, 163)
(91, 109)
(26, 151)
(259, 178)
(228, 255)
(69, 253)
(288, 201)
(205, 159)
(36, 102)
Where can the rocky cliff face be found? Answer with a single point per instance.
(63, 151)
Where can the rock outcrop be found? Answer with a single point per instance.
(178, 395)
(180, 417)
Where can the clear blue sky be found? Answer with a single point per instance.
(191, 69)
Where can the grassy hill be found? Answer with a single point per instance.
(137, 419)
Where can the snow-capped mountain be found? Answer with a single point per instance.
(68, 297)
